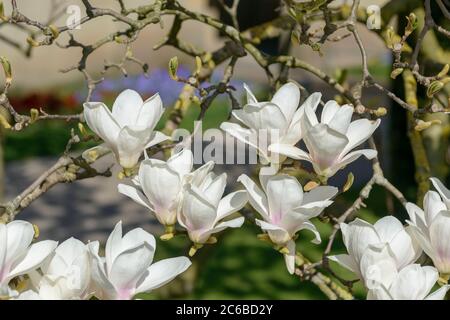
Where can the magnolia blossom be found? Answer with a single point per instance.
(281, 117)
(286, 209)
(129, 129)
(159, 185)
(330, 142)
(431, 226)
(413, 282)
(364, 241)
(203, 209)
(127, 268)
(17, 255)
(65, 275)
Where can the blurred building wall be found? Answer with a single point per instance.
(42, 69)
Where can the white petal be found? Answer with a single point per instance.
(443, 191)
(432, 205)
(287, 98)
(329, 110)
(130, 145)
(413, 282)
(181, 162)
(129, 267)
(276, 233)
(319, 194)
(387, 228)
(126, 108)
(310, 118)
(359, 131)
(290, 151)
(250, 96)
(135, 238)
(391, 231)
(70, 250)
(101, 121)
(265, 115)
(214, 189)
(439, 236)
(422, 239)
(161, 186)
(162, 272)
(199, 175)
(151, 112)
(309, 226)
(3, 248)
(283, 194)
(197, 213)
(352, 156)
(19, 237)
(289, 258)
(257, 198)
(231, 203)
(155, 138)
(378, 266)
(33, 259)
(438, 294)
(29, 295)
(113, 245)
(246, 136)
(341, 119)
(135, 194)
(324, 145)
(345, 261)
(233, 223)
(313, 101)
(101, 282)
(295, 131)
(357, 236)
(416, 215)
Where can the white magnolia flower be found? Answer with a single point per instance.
(127, 267)
(431, 226)
(159, 185)
(330, 142)
(286, 209)
(359, 236)
(128, 129)
(17, 255)
(413, 282)
(65, 275)
(281, 117)
(203, 209)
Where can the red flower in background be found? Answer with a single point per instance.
(48, 102)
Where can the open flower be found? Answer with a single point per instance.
(65, 275)
(17, 255)
(330, 142)
(431, 226)
(128, 129)
(360, 236)
(286, 209)
(413, 282)
(203, 209)
(281, 117)
(159, 185)
(127, 268)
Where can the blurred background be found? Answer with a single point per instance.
(239, 266)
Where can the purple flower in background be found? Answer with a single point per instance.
(157, 81)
